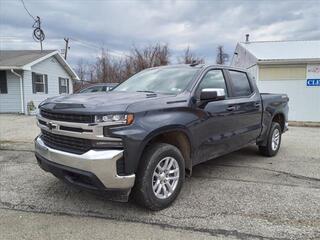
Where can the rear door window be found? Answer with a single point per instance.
(240, 84)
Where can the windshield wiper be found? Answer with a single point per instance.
(147, 91)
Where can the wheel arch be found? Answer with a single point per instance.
(178, 136)
(279, 118)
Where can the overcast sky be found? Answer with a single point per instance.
(117, 25)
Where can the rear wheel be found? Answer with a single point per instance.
(273, 141)
(160, 176)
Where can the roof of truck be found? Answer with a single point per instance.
(201, 66)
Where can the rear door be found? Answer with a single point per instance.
(245, 104)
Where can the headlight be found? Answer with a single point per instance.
(125, 119)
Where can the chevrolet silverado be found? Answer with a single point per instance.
(142, 138)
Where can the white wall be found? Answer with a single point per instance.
(11, 102)
(304, 102)
(54, 70)
(242, 58)
(253, 71)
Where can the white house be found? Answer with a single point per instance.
(291, 67)
(32, 75)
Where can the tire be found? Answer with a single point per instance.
(143, 193)
(270, 150)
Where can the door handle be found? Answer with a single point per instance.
(257, 105)
(231, 108)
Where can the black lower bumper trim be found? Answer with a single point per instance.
(82, 179)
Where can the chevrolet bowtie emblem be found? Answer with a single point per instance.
(51, 125)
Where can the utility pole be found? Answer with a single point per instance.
(38, 34)
(41, 39)
(67, 47)
(222, 57)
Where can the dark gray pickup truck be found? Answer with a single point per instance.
(142, 138)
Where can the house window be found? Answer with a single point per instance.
(39, 83)
(63, 85)
(3, 82)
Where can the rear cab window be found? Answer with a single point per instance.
(240, 84)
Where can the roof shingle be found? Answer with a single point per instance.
(19, 58)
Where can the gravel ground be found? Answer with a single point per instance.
(16, 225)
(239, 196)
(17, 131)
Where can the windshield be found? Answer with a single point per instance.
(159, 80)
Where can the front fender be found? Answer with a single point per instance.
(148, 126)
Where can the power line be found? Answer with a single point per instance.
(81, 42)
(28, 11)
(92, 45)
(38, 33)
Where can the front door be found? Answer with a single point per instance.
(217, 125)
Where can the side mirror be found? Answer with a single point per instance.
(212, 94)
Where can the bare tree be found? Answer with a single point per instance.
(222, 57)
(108, 68)
(151, 56)
(91, 72)
(81, 69)
(142, 58)
(189, 58)
(100, 66)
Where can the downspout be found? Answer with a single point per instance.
(21, 90)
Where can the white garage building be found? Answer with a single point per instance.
(291, 67)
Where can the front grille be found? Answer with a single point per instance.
(65, 143)
(67, 117)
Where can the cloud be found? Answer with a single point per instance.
(117, 25)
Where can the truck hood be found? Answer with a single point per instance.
(98, 102)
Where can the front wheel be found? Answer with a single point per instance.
(160, 176)
(273, 141)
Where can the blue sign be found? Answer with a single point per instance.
(313, 82)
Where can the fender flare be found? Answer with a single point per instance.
(167, 129)
(265, 139)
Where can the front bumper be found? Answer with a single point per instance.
(99, 166)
